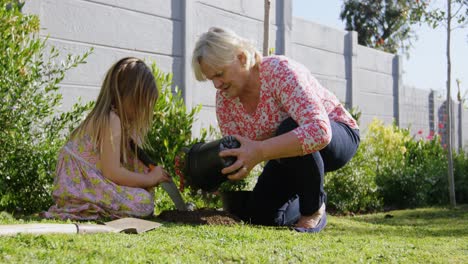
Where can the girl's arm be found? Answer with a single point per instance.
(111, 166)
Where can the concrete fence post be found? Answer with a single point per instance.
(397, 88)
(188, 45)
(284, 25)
(432, 113)
(351, 57)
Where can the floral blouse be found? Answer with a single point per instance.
(287, 89)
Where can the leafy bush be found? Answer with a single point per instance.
(409, 172)
(353, 188)
(170, 133)
(171, 130)
(392, 169)
(421, 179)
(386, 147)
(30, 130)
(460, 165)
(426, 167)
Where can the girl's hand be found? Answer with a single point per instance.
(248, 156)
(158, 175)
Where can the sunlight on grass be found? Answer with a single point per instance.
(430, 235)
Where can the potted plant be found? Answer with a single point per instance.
(199, 166)
(235, 197)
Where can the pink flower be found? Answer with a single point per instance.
(430, 136)
(420, 132)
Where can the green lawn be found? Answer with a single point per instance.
(431, 235)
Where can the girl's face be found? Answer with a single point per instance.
(230, 79)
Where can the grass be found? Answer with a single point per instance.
(429, 235)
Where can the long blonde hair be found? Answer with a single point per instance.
(128, 79)
(220, 47)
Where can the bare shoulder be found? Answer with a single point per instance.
(114, 123)
(113, 117)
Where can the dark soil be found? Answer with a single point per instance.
(203, 216)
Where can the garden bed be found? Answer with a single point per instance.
(204, 216)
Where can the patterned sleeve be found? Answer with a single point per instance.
(225, 121)
(298, 92)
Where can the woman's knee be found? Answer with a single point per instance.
(342, 147)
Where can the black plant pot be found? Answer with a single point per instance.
(236, 202)
(203, 164)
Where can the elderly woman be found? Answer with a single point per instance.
(280, 114)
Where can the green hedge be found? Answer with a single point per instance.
(394, 170)
(30, 130)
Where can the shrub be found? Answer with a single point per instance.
(30, 130)
(421, 180)
(426, 164)
(171, 131)
(391, 169)
(394, 170)
(353, 188)
(386, 149)
(409, 172)
(460, 165)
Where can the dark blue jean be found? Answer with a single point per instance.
(291, 187)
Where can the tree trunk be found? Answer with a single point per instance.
(449, 111)
(266, 27)
(460, 127)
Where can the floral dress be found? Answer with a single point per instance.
(81, 192)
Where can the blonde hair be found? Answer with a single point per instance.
(128, 79)
(219, 47)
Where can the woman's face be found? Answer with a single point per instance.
(230, 79)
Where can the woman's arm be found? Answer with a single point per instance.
(304, 100)
(299, 94)
(111, 166)
(282, 146)
(253, 152)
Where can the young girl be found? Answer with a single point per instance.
(98, 174)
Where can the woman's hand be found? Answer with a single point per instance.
(158, 175)
(248, 156)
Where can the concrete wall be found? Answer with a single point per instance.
(323, 51)
(166, 31)
(148, 29)
(243, 16)
(360, 77)
(417, 110)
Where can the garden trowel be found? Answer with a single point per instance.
(124, 225)
(169, 187)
